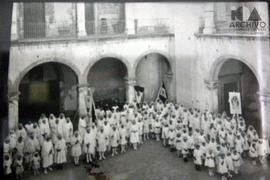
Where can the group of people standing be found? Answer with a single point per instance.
(213, 140)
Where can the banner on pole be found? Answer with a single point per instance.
(162, 93)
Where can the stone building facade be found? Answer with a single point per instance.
(200, 54)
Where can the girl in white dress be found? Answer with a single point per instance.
(13, 140)
(151, 125)
(93, 144)
(61, 151)
(19, 166)
(36, 131)
(86, 145)
(107, 132)
(165, 132)
(44, 127)
(184, 146)
(190, 143)
(157, 128)
(36, 163)
(236, 157)
(210, 161)
(178, 144)
(7, 165)
(68, 130)
(197, 155)
(171, 137)
(29, 149)
(222, 166)
(76, 150)
(21, 131)
(59, 127)
(7, 146)
(145, 127)
(239, 144)
(134, 135)
(229, 161)
(140, 126)
(114, 140)
(101, 139)
(123, 138)
(47, 152)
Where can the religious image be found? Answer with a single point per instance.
(235, 103)
(138, 91)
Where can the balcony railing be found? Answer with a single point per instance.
(153, 26)
(103, 27)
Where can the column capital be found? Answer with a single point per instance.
(169, 75)
(264, 96)
(13, 96)
(210, 84)
(81, 19)
(83, 85)
(130, 81)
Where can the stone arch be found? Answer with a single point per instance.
(47, 60)
(96, 59)
(163, 53)
(108, 79)
(216, 66)
(168, 70)
(248, 88)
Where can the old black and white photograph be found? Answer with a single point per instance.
(137, 91)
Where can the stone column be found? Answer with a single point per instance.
(14, 27)
(130, 26)
(209, 19)
(20, 21)
(81, 19)
(212, 100)
(130, 92)
(13, 110)
(82, 92)
(265, 113)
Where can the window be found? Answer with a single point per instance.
(34, 20)
(89, 18)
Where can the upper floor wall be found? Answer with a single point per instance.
(63, 20)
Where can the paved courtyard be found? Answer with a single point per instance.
(151, 162)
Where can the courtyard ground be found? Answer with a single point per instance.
(151, 162)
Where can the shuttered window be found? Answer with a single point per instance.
(34, 20)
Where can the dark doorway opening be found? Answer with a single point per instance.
(48, 88)
(236, 76)
(107, 77)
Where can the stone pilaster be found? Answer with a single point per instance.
(130, 92)
(13, 110)
(20, 21)
(209, 19)
(212, 101)
(169, 84)
(81, 19)
(265, 112)
(14, 25)
(82, 92)
(131, 26)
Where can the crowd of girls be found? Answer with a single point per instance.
(211, 140)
